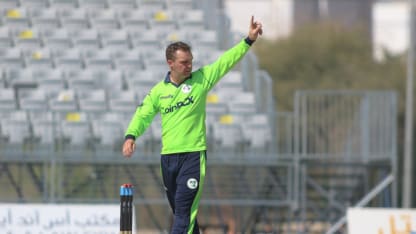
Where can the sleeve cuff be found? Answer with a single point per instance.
(130, 137)
(249, 41)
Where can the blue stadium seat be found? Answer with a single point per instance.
(163, 22)
(205, 40)
(12, 58)
(108, 80)
(192, 20)
(45, 131)
(58, 40)
(45, 18)
(75, 19)
(243, 102)
(34, 100)
(15, 127)
(51, 84)
(6, 39)
(147, 43)
(135, 21)
(7, 100)
(9, 4)
(104, 20)
(70, 60)
(64, 4)
(34, 4)
(227, 138)
(122, 4)
(28, 39)
(16, 18)
(258, 137)
(64, 101)
(39, 58)
(152, 5)
(81, 83)
(93, 4)
(123, 101)
(181, 6)
(2, 82)
(109, 133)
(93, 101)
(141, 81)
(115, 41)
(86, 40)
(129, 60)
(76, 131)
(100, 59)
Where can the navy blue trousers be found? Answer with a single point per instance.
(183, 177)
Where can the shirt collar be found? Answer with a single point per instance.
(167, 79)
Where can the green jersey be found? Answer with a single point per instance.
(182, 107)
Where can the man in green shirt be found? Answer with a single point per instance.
(181, 99)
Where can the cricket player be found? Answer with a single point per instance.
(181, 99)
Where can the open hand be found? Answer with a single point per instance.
(128, 148)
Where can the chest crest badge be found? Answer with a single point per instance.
(186, 88)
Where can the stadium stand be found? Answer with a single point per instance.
(66, 56)
(74, 71)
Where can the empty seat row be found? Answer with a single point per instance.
(77, 59)
(55, 80)
(46, 128)
(100, 100)
(119, 39)
(240, 137)
(52, 13)
(68, 100)
(130, 72)
(53, 19)
(72, 60)
(107, 130)
(112, 53)
(99, 4)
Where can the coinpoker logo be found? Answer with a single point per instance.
(187, 101)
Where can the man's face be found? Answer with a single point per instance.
(181, 66)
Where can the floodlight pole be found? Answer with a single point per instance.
(408, 141)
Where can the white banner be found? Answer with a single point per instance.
(381, 221)
(59, 219)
